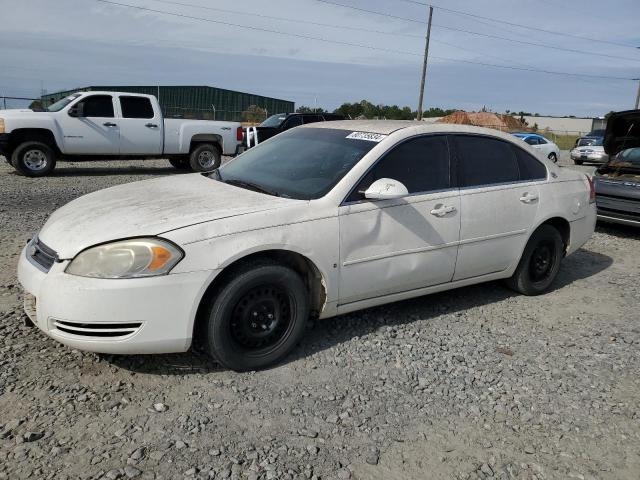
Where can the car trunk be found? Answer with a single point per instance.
(623, 131)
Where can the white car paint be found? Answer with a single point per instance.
(589, 153)
(95, 136)
(365, 253)
(545, 146)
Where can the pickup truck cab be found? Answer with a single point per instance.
(90, 125)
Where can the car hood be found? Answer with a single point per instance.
(623, 131)
(148, 208)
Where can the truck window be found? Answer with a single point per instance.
(98, 106)
(136, 107)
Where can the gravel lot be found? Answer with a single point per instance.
(474, 383)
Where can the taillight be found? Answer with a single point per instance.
(239, 134)
(592, 190)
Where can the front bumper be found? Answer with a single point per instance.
(590, 157)
(4, 145)
(122, 316)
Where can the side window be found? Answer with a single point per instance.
(531, 140)
(136, 107)
(421, 164)
(530, 168)
(542, 141)
(293, 122)
(484, 161)
(98, 106)
(312, 119)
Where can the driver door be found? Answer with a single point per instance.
(391, 246)
(95, 131)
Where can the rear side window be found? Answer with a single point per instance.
(532, 140)
(312, 119)
(530, 168)
(485, 161)
(293, 121)
(136, 107)
(542, 141)
(421, 164)
(98, 106)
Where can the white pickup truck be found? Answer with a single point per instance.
(91, 125)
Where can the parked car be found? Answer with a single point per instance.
(90, 125)
(617, 182)
(544, 145)
(281, 122)
(326, 219)
(590, 150)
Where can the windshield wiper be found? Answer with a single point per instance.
(251, 186)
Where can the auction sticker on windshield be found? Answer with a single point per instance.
(370, 137)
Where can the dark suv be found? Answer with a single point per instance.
(276, 124)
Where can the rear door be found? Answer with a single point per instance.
(141, 127)
(96, 131)
(499, 198)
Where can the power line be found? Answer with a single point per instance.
(513, 24)
(359, 45)
(487, 35)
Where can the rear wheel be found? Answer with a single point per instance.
(257, 317)
(553, 157)
(205, 158)
(180, 163)
(540, 262)
(578, 162)
(33, 159)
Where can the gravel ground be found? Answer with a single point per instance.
(474, 383)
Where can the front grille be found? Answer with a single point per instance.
(41, 255)
(105, 330)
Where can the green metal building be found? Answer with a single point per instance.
(207, 103)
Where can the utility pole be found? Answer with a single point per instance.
(638, 94)
(424, 65)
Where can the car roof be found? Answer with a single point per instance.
(387, 127)
(527, 135)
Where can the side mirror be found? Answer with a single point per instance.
(77, 110)
(386, 189)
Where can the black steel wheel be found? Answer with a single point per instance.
(257, 317)
(540, 262)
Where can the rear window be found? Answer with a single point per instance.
(589, 142)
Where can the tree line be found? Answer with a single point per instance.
(367, 109)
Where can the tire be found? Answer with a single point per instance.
(33, 159)
(180, 164)
(540, 262)
(553, 157)
(578, 162)
(205, 158)
(272, 294)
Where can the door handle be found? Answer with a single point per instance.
(528, 198)
(109, 124)
(151, 125)
(442, 210)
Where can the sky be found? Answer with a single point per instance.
(64, 44)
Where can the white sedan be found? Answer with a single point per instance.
(542, 144)
(318, 221)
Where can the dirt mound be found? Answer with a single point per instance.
(484, 119)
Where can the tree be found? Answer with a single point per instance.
(254, 114)
(305, 109)
(35, 105)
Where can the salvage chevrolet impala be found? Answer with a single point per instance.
(318, 221)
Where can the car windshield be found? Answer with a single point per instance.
(274, 121)
(60, 104)
(628, 159)
(590, 142)
(302, 163)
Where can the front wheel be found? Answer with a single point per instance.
(578, 162)
(205, 158)
(553, 157)
(33, 159)
(540, 262)
(257, 317)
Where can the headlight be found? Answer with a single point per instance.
(2, 125)
(135, 258)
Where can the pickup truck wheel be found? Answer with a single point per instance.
(258, 317)
(205, 158)
(180, 164)
(540, 262)
(33, 159)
